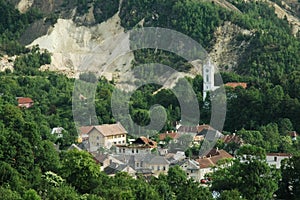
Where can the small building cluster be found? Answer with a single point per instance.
(115, 152)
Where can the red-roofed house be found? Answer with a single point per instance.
(213, 157)
(25, 102)
(173, 135)
(141, 145)
(232, 139)
(236, 84)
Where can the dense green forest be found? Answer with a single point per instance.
(263, 114)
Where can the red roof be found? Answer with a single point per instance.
(214, 156)
(85, 129)
(145, 141)
(173, 135)
(24, 100)
(104, 129)
(280, 154)
(236, 84)
(194, 129)
(232, 138)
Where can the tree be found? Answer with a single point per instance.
(230, 195)
(161, 186)
(8, 194)
(80, 170)
(285, 126)
(289, 186)
(250, 171)
(47, 157)
(31, 195)
(176, 178)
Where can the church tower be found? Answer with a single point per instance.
(208, 73)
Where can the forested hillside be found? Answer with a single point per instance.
(263, 114)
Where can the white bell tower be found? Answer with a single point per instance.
(208, 72)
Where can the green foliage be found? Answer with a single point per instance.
(8, 194)
(104, 9)
(230, 195)
(31, 195)
(252, 178)
(12, 25)
(29, 63)
(289, 185)
(80, 170)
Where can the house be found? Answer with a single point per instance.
(158, 164)
(192, 169)
(236, 84)
(198, 130)
(57, 132)
(232, 143)
(293, 135)
(210, 160)
(103, 136)
(105, 160)
(171, 135)
(110, 165)
(149, 164)
(276, 158)
(74, 146)
(25, 102)
(114, 168)
(232, 139)
(141, 145)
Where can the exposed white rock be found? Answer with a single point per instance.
(7, 62)
(24, 5)
(77, 49)
(226, 49)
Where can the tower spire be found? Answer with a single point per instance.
(208, 72)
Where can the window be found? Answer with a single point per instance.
(123, 141)
(123, 150)
(137, 151)
(164, 168)
(137, 164)
(98, 144)
(275, 158)
(115, 142)
(158, 167)
(207, 78)
(97, 137)
(119, 150)
(119, 142)
(132, 150)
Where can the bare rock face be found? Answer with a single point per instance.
(228, 46)
(77, 49)
(7, 62)
(24, 5)
(286, 12)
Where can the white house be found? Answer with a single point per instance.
(57, 132)
(276, 158)
(103, 136)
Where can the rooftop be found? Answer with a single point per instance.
(236, 84)
(105, 129)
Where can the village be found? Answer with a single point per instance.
(116, 151)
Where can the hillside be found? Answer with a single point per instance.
(51, 146)
(69, 31)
